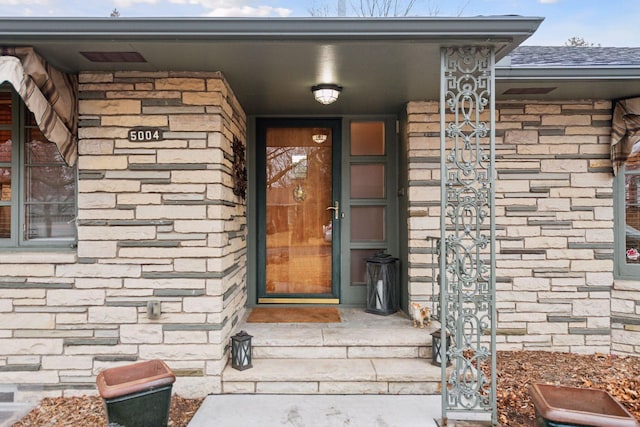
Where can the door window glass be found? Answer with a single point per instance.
(367, 223)
(367, 139)
(367, 181)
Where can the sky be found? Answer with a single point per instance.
(600, 22)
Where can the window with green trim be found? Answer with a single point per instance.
(628, 218)
(37, 188)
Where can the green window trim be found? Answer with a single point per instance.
(625, 268)
(33, 219)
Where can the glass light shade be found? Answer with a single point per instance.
(326, 93)
(319, 138)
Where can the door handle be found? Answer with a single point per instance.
(336, 209)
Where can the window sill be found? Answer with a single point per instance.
(626, 283)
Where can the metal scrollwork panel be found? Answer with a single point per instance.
(467, 228)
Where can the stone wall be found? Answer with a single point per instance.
(157, 221)
(554, 218)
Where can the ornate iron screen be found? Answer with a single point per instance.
(467, 230)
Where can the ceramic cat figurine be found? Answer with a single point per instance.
(420, 314)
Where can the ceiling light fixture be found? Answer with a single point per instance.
(326, 93)
(319, 138)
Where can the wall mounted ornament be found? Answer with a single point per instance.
(299, 194)
(239, 169)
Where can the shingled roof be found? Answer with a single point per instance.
(569, 56)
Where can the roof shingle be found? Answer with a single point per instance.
(570, 56)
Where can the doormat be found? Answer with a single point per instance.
(294, 315)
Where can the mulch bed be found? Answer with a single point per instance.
(88, 411)
(619, 375)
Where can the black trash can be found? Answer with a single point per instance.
(382, 284)
(137, 395)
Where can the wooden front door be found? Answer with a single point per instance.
(299, 210)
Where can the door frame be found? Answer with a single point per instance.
(261, 124)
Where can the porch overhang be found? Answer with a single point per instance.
(567, 82)
(271, 64)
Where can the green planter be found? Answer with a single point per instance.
(137, 395)
(560, 406)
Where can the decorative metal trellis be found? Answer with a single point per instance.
(467, 230)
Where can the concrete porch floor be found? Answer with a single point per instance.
(323, 411)
(350, 318)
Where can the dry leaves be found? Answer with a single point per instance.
(619, 375)
(88, 411)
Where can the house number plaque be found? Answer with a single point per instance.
(145, 134)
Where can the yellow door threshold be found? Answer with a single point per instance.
(298, 301)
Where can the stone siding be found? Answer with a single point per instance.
(157, 221)
(554, 222)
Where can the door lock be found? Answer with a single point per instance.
(336, 209)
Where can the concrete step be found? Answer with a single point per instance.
(334, 376)
(362, 354)
(282, 342)
(338, 341)
(341, 352)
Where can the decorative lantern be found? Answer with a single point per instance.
(382, 284)
(436, 346)
(241, 351)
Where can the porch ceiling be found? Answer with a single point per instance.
(271, 64)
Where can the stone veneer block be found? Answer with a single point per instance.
(348, 387)
(28, 346)
(134, 121)
(34, 270)
(29, 377)
(171, 212)
(180, 84)
(184, 337)
(193, 387)
(26, 321)
(141, 334)
(108, 186)
(383, 352)
(180, 352)
(431, 387)
(109, 107)
(405, 370)
(113, 315)
(195, 123)
(270, 370)
(284, 336)
(298, 387)
(96, 270)
(88, 163)
(299, 352)
(74, 297)
(376, 337)
(229, 387)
